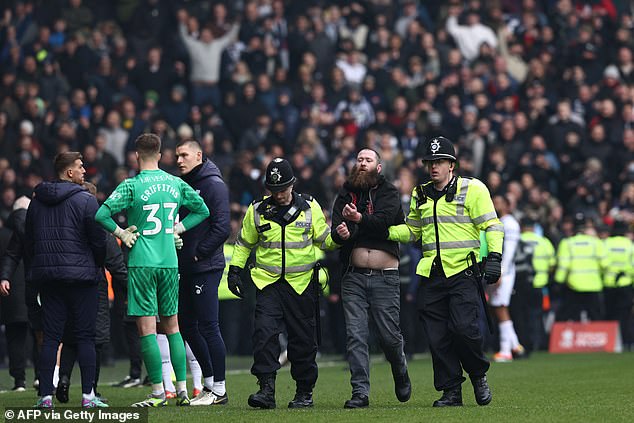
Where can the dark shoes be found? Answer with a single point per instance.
(450, 398)
(302, 400)
(265, 397)
(63, 386)
(481, 390)
(357, 401)
(402, 387)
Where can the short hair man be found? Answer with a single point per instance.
(201, 263)
(151, 200)
(61, 219)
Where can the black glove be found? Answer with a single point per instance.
(234, 281)
(493, 268)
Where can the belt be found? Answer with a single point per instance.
(372, 272)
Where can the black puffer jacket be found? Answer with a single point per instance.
(13, 307)
(206, 240)
(62, 238)
(380, 208)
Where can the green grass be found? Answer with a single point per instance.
(544, 388)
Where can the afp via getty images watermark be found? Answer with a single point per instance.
(95, 415)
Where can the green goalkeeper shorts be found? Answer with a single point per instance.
(152, 291)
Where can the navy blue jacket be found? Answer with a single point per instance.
(206, 240)
(62, 239)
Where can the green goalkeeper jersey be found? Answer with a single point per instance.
(152, 199)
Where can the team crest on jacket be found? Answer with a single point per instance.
(435, 146)
(276, 176)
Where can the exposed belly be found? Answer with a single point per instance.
(373, 259)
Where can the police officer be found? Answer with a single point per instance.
(447, 214)
(618, 279)
(581, 260)
(534, 264)
(284, 230)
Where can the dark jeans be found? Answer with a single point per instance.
(279, 307)
(69, 356)
(449, 308)
(378, 296)
(62, 301)
(198, 321)
(16, 333)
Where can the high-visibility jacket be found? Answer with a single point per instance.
(620, 262)
(581, 260)
(283, 251)
(449, 228)
(543, 257)
(223, 288)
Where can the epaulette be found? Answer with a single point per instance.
(306, 197)
(450, 190)
(307, 200)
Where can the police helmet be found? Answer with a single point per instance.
(440, 148)
(279, 175)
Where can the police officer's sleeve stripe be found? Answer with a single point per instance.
(414, 222)
(241, 242)
(323, 235)
(452, 245)
(495, 228)
(481, 219)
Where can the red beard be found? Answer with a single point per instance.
(363, 180)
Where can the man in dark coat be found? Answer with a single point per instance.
(14, 314)
(201, 262)
(66, 249)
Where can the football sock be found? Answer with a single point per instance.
(152, 358)
(177, 353)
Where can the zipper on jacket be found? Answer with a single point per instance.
(283, 251)
(437, 259)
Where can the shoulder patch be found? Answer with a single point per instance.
(306, 197)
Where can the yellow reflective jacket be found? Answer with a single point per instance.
(283, 251)
(581, 260)
(451, 229)
(620, 262)
(543, 257)
(223, 288)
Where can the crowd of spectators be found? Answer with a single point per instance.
(537, 95)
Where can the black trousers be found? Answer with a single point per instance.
(17, 333)
(449, 309)
(69, 356)
(573, 303)
(527, 315)
(134, 349)
(618, 306)
(279, 307)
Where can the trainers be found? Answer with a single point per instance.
(209, 398)
(196, 392)
(170, 395)
(44, 403)
(95, 402)
(183, 399)
(36, 383)
(500, 357)
(128, 382)
(519, 352)
(151, 401)
(19, 387)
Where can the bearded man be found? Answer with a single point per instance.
(364, 210)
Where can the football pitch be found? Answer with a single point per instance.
(544, 388)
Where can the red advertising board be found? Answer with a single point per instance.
(574, 337)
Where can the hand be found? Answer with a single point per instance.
(5, 287)
(235, 283)
(343, 231)
(493, 268)
(128, 237)
(178, 241)
(350, 212)
(179, 228)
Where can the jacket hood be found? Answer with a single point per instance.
(207, 169)
(55, 192)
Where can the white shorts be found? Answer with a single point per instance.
(500, 294)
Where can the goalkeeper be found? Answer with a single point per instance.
(152, 199)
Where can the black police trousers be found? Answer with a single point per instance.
(450, 311)
(279, 307)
